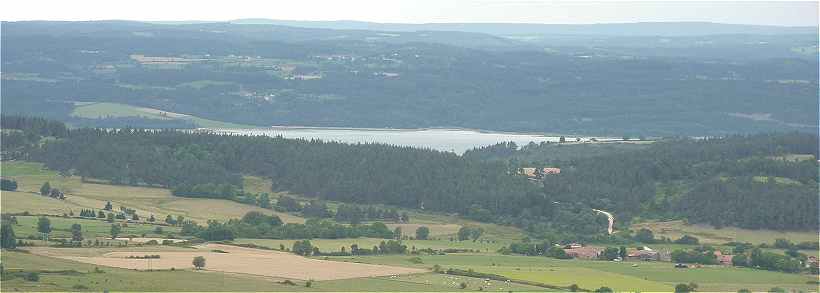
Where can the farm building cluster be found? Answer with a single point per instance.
(539, 173)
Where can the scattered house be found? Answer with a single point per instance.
(665, 255)
(812, 262)
(306, 77)
(723, 259)
(643, 254)
(573, 245)
(587, 252)
(531, 172)
(386, 74)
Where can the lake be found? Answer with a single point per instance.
(450, 140)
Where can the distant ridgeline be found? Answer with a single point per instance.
(606, 83)
(746, 181)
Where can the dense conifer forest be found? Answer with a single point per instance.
(721, 181)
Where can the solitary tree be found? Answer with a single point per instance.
(151, 218)
(422, 233)
(44, 226)
(8, 184)
(397, 233)
(199, 262)
(7, 238)
(45, 189)
(115, 230)
(76, 232)
(476, 233)
(264, 201)
(645, 236)
(108, 206)
(464, 233)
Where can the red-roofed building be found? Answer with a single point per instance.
(586, 252)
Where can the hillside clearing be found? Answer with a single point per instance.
(103, 110)
(711, 235)
(87, 195)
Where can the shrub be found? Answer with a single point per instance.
(686, 239)
(685, 288)
(32, 276)
(199, 262)
(463, 285)
(287, 282)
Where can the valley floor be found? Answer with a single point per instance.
(106, 266)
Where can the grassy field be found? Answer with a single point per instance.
(708, 234)
(200, 84)
(646, 276)
(102, 110)
(18, 168)
(422, 282)
(61, 228)
(85, 195)
(75, 274)
(64, 275)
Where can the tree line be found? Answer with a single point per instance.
(258, 225)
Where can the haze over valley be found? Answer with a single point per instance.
(669, 153)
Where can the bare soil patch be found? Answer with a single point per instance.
(232, 259)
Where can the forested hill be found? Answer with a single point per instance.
(262, 74)
(759, 181)
(720, 181)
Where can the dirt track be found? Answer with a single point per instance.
(244, 261)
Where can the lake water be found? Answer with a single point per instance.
(451, 140)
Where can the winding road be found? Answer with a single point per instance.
(610, 217)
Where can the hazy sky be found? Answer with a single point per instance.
(419, 11)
